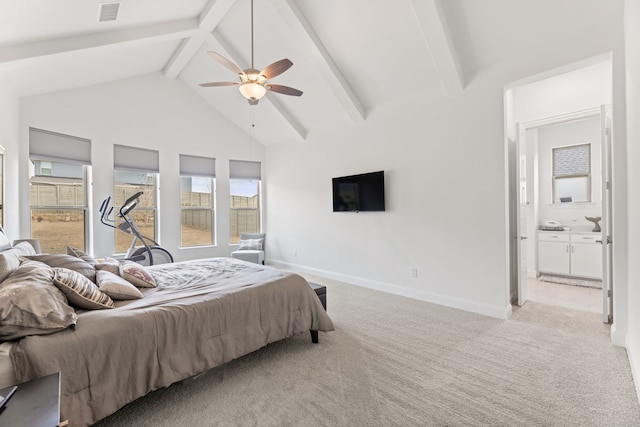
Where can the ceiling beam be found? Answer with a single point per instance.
(166, 31)
(301, 132)
(438, 37)
(208, 21)
(306, 36)
(227, 50)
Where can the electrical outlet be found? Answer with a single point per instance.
(414, 272)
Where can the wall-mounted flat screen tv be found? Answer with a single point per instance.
(359, 193)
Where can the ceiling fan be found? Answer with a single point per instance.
(253, 83)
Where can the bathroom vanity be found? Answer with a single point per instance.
(570, 253)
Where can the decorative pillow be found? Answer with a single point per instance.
(80, 291)
(116, 287)
(9, 262)
(250, 245)
(78, 253)
(137, 274)
(31, 305)
(111, 265)
(67, 261)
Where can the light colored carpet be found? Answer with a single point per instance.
(394, 361)
(573, 281)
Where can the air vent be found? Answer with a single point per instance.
(108, 11)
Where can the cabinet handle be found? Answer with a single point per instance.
(567, 248)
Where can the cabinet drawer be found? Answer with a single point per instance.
(553, 237)
(585, 238)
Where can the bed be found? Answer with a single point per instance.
(201, 314)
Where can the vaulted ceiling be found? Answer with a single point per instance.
(350, 57)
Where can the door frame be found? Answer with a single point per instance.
(521, 130)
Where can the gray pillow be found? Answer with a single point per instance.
(5, 243)
(9, 262)
(67, 261)
(79, 253)
(116, 287)
(31, 305)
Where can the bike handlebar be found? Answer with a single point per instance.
(130, 204)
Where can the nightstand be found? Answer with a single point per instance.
(35, 403)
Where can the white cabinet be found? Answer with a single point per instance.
(553, 253)
(570, 254)
(586, 256)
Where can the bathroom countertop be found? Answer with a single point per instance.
(576, 229)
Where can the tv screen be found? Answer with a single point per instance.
(359, 193)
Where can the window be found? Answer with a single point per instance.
(45, 169)
(572, 173)
(58, 193)
(136, 169)
(245, 198)
(197, 191)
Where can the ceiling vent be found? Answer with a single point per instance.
(109, 11)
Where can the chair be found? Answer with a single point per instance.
(251, 248)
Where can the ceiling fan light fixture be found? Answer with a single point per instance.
(252, 91)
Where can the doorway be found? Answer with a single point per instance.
(546, 118)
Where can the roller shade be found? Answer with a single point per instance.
(242, 169)
(197, 166)
(134, 158)
(57, 147)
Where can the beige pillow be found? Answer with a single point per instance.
(67, 261)
(78, 253)
(80, 291)
(116, 287)
(112, 265)
(31, 305)
(137, 274)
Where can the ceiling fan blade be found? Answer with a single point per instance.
(224, 61)
(276, 68)
(286, 90)
(214, 84)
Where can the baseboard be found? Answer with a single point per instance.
(633, 353)
(432, 297)
(618, 339)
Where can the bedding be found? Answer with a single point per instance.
(201, 314)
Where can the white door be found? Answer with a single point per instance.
(607, 282)
(521, 222)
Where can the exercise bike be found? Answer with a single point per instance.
(150, 253)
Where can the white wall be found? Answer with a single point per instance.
(148, 111)
(632, 48)
(444, 164)
(9, 139)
